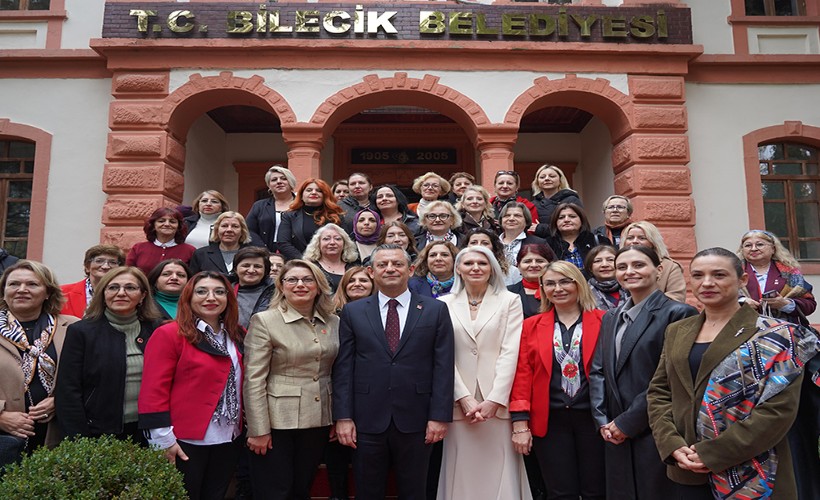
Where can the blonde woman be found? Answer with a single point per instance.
(431, 187)
(266, 214)
(333, 251)
(671, 281)
(550, 188)
(229, 234)
(476, 210)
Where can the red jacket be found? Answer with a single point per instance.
(75, 303)
(181, 383)
(531, 387)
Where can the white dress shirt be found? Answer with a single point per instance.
(403, 308)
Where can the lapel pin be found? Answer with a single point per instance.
(740, 332)
(324, 331)
(419, 307)
(139, 340)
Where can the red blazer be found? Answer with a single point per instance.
(75, 303)
(531, 387)
(181, 383)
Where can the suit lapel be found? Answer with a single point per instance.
(375, 318)
(215, 254)
(608, 343)
(544, 332)
(634, 331)
(413, 315)
(679, 351)
(485, 313)
(738, 330)
(460, 308)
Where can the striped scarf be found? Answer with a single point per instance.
(758, 370)
(33, 357)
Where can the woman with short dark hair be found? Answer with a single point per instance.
(167, 280)
(98, 260)
(254, 287)
(570, 236)
(165, 232)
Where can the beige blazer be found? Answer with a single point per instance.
(671, 281)
(12, 385)
(287, 371)
(486, 350)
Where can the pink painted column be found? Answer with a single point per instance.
(305, 143)
(651, 163)
(144, 162)
(495, 145)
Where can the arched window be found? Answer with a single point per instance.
(790, 176)
(16, 177)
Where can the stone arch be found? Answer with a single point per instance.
(42, 164)
(597, 96)
(374, 91)
(203, 93)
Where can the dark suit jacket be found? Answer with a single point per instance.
(585, 242)
(293, 237)
(91, 386)
(412, 386)
(209, 259)
(262, 221)
(618, 392)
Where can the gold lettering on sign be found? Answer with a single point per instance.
(514, 24)
(358, 20)
(239, 21)
(541, 25)
(181, 21)
(663, 31)
(376, 21)
(614, 26)
(142, 18)
(481, 26)
(461, 23)
(642, 26)
(585, 23)
(431, 22)
(273, 22)
(262, 19)
(330, 22)
(307, 21)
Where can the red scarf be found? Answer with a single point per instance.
(532, 285)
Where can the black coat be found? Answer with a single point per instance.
(91, 387)
(262, 221)
(618, 392)
(6, 259)
(295, 233)
(585, 242)
(210, 259)
(546, 206)
(530, 304)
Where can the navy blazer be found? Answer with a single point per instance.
(262, 221)
(412, 386)
(210, 259)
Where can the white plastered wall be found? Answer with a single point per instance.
(719, 117)
(709, 26)
(84, 22)
(78, 123)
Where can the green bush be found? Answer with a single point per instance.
(91, 469)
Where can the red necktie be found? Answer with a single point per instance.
(391, 329)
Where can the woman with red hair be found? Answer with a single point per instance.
(165, 233)
(190, 400)
(313, 208)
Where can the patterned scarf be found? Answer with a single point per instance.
(602, 291)
(758, 370)
(569, 360)
(34, 357)
(440, 288)
(450, 237)
(796, 285)
(227, 409)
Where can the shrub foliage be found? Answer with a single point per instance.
(91, 469)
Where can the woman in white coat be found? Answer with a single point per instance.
(479, 460)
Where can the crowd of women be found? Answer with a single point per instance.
(580, 371)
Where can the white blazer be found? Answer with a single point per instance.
(486, 350)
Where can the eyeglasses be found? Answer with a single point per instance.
(115, 288)
(506, 172)
(307, 281)
(431, 185)
(563, 283)
(204, 292)
(432, 217)
(616, 208)
(756, 246)
(101, 261)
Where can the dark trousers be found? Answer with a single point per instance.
(376, 452)
(571, 456)
(209, 469)
(287, 470)
(337, 459)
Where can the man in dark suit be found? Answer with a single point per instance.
(393, 379)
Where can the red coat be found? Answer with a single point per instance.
(75, 303)
(181, 383)
(531, 387)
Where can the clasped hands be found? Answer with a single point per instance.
(688, 459)
(21, 424)
(612, 434)
(478, 412)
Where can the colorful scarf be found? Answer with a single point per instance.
(33, 357)
(603, 290)
(440, 288)
(569, 360)
(227, 409)
(796, 285)
(758, 370)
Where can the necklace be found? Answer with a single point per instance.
(474, 302)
